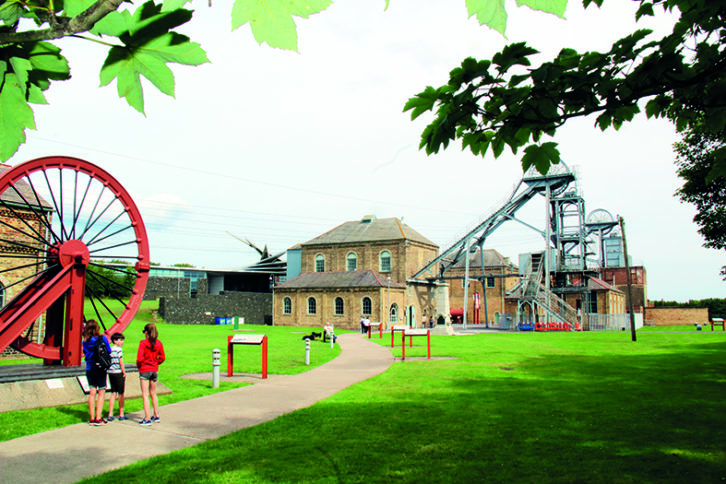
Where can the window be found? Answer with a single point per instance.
(312, 305)
(490, 282)
(351, 262)
(393, 318)
(287, 306)
(320, 263)
(367, 306)
(385, 262)
(339, 306)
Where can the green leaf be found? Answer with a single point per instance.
(169, 5)
(541, 157)
(129, 63)
(10, 12)
(271, 20)
(71, 8)
(15, 116)
(556, 7)
(488, 12)
(719, 165)
(422, 102)
(46, 57)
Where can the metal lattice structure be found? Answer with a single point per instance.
(566, 262)
(63, 222)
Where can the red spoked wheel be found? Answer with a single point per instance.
(69, 233)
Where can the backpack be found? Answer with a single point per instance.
(101, 356)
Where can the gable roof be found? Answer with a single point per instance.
(492, 258)
(338, 280)
(369, 229)
(24, 190)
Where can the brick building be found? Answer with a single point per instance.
(23, 214)
(491, 284)
(358, 268)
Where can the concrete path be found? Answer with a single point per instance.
(62, 455)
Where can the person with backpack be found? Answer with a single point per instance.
(148, 358)
(96, 351)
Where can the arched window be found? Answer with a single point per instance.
(287, 306)
(393, 317)
(351, 262)
(367, 306)
(320, 263)
(385, 261)
(339, 306)
(312, 305)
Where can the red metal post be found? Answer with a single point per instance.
(369, 331)
(264, 357)
(403, 345)
(230, 347)
(410, 341)
(392, 332)
(380, 331)
(428, 343)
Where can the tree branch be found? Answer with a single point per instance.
(82, 22)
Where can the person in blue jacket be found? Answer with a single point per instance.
(96, 377)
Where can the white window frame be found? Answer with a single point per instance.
(351, 257)
(319, 263)
(380, 261)
(312, 303)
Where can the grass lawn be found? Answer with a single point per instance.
(188, 350)
(528, 407)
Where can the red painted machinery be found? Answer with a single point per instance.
(69, 234)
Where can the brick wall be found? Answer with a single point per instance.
(255, 307)
(674, 316)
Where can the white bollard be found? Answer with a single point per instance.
(215, 367)
(307, 351)
(332, 338)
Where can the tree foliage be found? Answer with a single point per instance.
(142, 41)
(505, 101)
(696, 156)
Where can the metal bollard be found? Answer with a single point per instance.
(332, 338)
(215, 367)
(307, 351)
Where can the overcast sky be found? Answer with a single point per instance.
(280, 146)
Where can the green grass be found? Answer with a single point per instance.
(188, 350)
(534, 407)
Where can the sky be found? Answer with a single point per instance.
(280, 146)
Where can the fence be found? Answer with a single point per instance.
(612, 322)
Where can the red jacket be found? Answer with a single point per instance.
(148, 359)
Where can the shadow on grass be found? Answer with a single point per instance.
(559, 418)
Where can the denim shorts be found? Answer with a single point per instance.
(149, 375)
(96, 379)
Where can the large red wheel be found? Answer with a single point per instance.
(69, 233)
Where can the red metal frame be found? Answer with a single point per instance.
(230, 355)
(410, 343)
(61, 295)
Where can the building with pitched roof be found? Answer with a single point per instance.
(358, 268)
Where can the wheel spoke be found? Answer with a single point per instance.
(77, 214)
(93, 240)
(63, 234)
(46, 222)
(113, 246)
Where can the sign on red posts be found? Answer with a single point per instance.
(415, 332)
(380, 330)
(394, 329)
(246, 339)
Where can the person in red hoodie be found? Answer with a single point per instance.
(149, 357)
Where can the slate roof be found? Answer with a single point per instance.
(338, 280)
(492, 258)
(369, 229)
(13, 198)
(595, 284)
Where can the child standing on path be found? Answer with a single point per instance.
(96, 376)
(117, 377)
(149, 357)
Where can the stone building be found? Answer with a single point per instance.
(22, 215)
(491, 285)
(358, 268)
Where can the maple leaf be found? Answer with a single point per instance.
(15, 114)
(489, 12)
(272, 21)
(148, 47)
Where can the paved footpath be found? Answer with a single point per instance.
(62, 455)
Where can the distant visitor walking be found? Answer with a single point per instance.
(149, 357)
